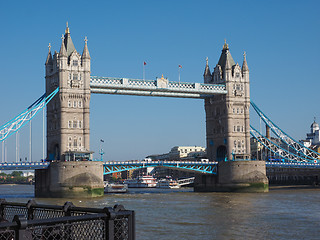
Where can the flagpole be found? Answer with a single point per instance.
(179, 73)
(144, 72)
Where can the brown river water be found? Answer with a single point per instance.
(169, 214)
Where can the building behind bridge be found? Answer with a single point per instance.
(185, 153)
(313, 138)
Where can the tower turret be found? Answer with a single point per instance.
(62, 57)
(49, 61)
(207, 74)
(245, 68)
(85, 56)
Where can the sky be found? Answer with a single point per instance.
(281, 40)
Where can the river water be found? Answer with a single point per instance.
(163, 214)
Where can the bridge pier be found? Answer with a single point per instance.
(70, 180)
(235, 176)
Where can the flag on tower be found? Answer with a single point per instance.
(144, 63)
(180, 66)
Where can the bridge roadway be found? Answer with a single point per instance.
(117, 166)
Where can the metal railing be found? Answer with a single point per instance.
(38, 221)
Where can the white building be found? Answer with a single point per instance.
(182, 152)
(314, 136)
(179, 152)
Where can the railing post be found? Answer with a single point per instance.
(109, 223)
(67, 208)
(2, 201)
(132, 226)
(30, 207)
(21, 232)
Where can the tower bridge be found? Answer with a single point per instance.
(226, 94)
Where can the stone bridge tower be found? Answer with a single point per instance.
(68, 132)
(68, 139)
(228, 131)
(227, 116)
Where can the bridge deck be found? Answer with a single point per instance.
(156, 88)
(117, 166)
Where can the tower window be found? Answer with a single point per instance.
(74, 124)
(75, 76)
(75, 62)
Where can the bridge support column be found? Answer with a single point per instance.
(70, 180)
(235, 176)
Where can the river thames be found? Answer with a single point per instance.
(183, 214)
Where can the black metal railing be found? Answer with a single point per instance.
(20, 221)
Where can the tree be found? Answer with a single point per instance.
(16, 173)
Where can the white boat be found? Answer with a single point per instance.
(168, 182)
(142, 182)
(115, 188)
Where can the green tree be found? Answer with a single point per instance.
(16, 173)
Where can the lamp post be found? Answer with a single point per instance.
(101, 150)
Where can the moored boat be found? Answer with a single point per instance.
(142, 182)
(168, 182)
(115, 188)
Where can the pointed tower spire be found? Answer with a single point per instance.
(207, 69)
(62, 52)
(207, 74)
(244, 64)
(49, 57)
(68, 42)
(226, 61)
(85, 53)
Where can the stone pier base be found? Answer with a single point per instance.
(70, 180)
(235, 176)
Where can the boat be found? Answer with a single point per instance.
(168, 182)
(146, 181)
(115, 188)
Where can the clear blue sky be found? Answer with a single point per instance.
(281, 39)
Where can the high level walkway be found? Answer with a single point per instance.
(160, 87)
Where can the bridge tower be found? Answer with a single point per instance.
(227, 116)
(68, 132)
(228, 131)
